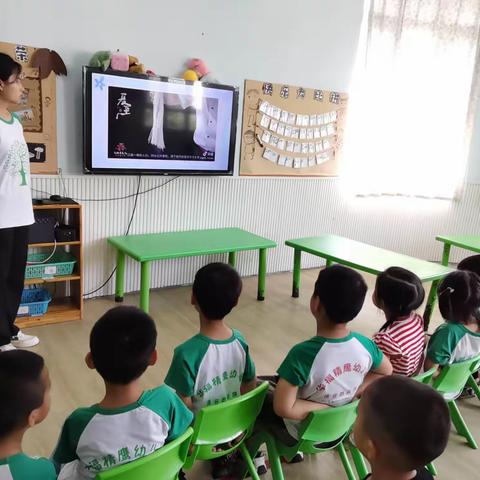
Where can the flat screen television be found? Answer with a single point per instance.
(139, 124)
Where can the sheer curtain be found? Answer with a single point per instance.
(408, 127)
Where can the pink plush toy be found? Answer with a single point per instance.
(198, 66)
(120, 61)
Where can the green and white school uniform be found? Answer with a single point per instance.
(22, 467)
(329, 370)
(451, 343)
(96, 439)
(210, 371)
(15, 195)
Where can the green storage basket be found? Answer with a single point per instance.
(61, 263)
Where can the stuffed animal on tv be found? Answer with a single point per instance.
(197, 70)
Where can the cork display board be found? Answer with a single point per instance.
(291, 131)
(37, 112)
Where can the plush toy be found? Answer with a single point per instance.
(101, 59)
(134, 65)
(190, 75)
(117, 61)
(198, 70)
(120, 62)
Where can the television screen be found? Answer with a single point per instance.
(138, 124)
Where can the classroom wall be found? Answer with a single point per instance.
(310, 43)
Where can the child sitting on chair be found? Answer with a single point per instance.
(214, 365)
(129, 422)
(398, 293)
(458, 338)
(24, 402)
(336, 365)
(402, 425)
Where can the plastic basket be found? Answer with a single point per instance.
(61, 263)
(34, 302)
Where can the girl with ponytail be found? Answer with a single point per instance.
(398, 293)
(458, 338)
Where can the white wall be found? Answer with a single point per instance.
(310, 43)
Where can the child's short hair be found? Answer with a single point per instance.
(341, 291)
(22, 389)
(400, 290)
(408, 421)
(459, 296)
(121, 344)
(8, 67)
(472, 264)
(216, 288)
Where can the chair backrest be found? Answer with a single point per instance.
(425, 377)
(453, 377)
(221, 423)
(329, 424)
(165, 463)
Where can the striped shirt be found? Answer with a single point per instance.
(403, 343)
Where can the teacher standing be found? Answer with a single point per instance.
(16, 213)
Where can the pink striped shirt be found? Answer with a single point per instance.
(403, 343)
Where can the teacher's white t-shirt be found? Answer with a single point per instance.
(15, 194)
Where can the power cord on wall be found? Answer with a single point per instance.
(132, 215)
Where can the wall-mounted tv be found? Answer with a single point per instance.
(139, 124)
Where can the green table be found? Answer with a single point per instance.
(367, 258)
(467, 242)
(160, 246)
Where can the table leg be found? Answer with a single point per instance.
(231, 259)
(262, 273)
(145, 286)
(297, 256)
(120, 277)
(446, 254)
(432, 297)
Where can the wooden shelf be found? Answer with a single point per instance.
(59, 310)
(52, 244)
(59, 278)
(53, 206)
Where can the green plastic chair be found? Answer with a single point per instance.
(322, 426)
(425, 377)
(165, 463)
(222, 423)
(452, 379)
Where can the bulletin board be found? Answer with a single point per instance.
(38, 111)
(290, 130)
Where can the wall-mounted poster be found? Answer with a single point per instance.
(291, 130)
(38, 111)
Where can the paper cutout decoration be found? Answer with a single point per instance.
(284, 91)
(48, 61)
(300, 92)
(334, 97)
(267, 88)
(318, 95)
(21, 53)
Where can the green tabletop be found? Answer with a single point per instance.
(468, 242)
(149, 247)
(158, 246)
(366, 257)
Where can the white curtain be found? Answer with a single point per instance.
(408, 127)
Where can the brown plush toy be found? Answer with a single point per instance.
(134, 65)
